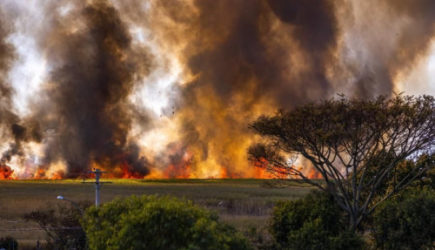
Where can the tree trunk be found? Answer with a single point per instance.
(353, 222)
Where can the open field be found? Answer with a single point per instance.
(244, 203)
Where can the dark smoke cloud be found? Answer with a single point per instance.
(88, 105)
(7, 56)
(8, 118)
(244, 58)
(250, 51)
(415, 38)
(283, 50)
(390, 37)
(315, 27)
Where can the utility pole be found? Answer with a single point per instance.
(98, 183)
(97, 173)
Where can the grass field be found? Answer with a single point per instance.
(244, 203)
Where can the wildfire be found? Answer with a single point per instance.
(129, 173)
(6, 173)
(262, 173)
(179, 163)
(132, 89)
(179, 170)
(39, 174)
(313, 174)
(48, 174)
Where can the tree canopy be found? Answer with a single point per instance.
(345, 140)
(153, 222)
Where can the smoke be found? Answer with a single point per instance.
(384, 41)
(88, 107)
(245, 59)
(8, 118)
(417, 33)
(260, 46)
(6, 59)
(172, 85)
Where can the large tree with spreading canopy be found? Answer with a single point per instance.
(356, 146)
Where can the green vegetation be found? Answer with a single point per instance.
(152, 222)
(406, 222)
(344, 140)
(312, 222)
(271, 214)
(243, 203)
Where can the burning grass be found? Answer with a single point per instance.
(6, 173)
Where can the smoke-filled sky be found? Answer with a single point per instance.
(168, 88)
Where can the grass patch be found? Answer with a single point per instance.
(244, 203)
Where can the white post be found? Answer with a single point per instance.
(97, 173)
(97, 194)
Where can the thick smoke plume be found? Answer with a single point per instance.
(247, 58)
(88, 91)
(221, 64)
(385, 41)
(8, 119)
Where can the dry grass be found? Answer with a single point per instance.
(244, 203)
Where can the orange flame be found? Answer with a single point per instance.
(180, 167)
(6, 173)
(313, 174)
(43, 174)
(129, 173)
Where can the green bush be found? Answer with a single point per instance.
(8, 243)
(407, 222)
(152, 222)
(313, 222)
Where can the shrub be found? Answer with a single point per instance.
(152, 222)
(313, 222)
(407, 222)
(8, 243)
(61, 222)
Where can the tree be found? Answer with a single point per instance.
(401, 170)
(153, 222)
(345, 140)
(312, 222)
(406, 222)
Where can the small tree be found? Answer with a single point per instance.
(313, 222)
(152, 222)
(345, 140)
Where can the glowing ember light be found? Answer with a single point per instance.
(6, 173)
(313, 174)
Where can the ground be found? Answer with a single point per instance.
(244, 203)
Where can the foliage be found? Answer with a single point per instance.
(248, 196)
(8, 243)
(427, 178)
(152, 222)
(406, 222)
(62, 225)
(403, 169)
(344, 140)
(313, 222)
